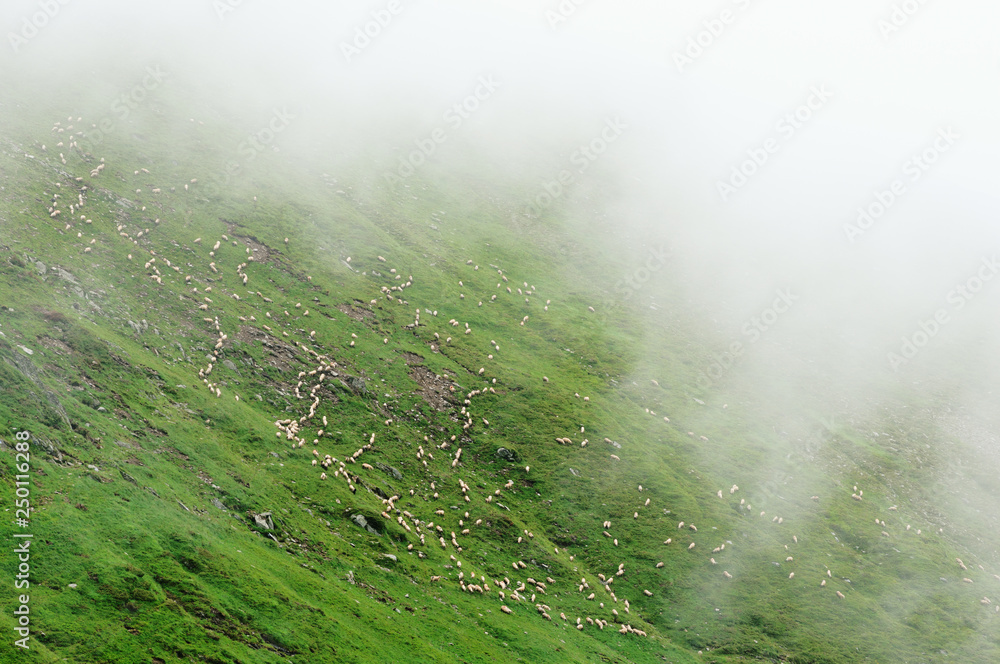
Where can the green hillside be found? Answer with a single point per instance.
(184, 342)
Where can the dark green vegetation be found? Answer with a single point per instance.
(146, 485)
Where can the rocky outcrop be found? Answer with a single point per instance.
(508, 455)
(362, 522)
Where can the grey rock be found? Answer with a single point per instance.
(264, 520)
(49, 448)
(218, 503)
(507, 454)
(390, 470)
(362, 522)
(357, 385)
(64, 275)
(40, 266)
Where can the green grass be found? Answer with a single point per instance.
(162, 572)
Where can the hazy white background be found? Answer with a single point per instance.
(565, 68)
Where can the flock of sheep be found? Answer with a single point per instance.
(448, 467)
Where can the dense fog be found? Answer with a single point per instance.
(817, 183)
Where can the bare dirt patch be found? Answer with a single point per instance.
(56, 346)
(435, 390)
(355, 312)
(261, 252)
(282, 354)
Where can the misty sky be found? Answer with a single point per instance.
(838, 103)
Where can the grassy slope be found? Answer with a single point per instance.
(163, 572)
